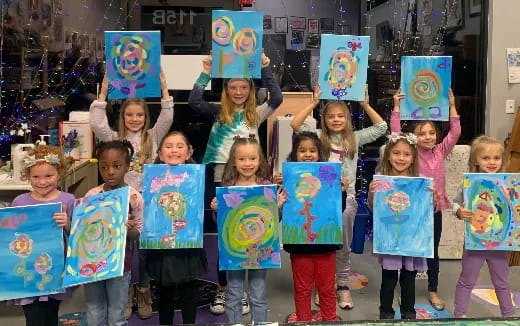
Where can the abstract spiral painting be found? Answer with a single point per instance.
(173, 206)
(133, 63)
(403, 216)
(343, 66)
(31, 251)
(248, 227)
(305, 218)
(494, 199)
(96, 249)
(425, 81)
(237, 44)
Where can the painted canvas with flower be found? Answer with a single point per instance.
(237, 44)
(403, 216)
(31, 252)
(76, 139)
(173, 211)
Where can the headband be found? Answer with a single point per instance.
(409, 137)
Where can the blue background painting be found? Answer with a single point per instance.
(96, 249)
(494, 198)
(37, 223)
(301, 180)
(248, 227)
(236, 44)
(408, 230)
(133, 64)
(425, 81)
(180, 187)
(343, 66)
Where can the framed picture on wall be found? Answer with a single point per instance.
(475, 6)
(297, 40)
(280, 24)
(455, 16)
(314, 27)
(268, 22)
(298, 22)
(327, 25)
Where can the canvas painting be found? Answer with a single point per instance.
(248, 227)
(173, 206)
(31, 251)
(403, 216)
(305, 219)
(494, 199)
(133, 63)
(343, 66)
(237, 44)
(97, 241)
(425, 81)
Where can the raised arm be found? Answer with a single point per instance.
(195, 99)
(369, 110)
(378, 129)
(300, 117)
(453, 135)
(269, 82)
(165, 119)
(395, 118)
(98, 115)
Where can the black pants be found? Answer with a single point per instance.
(433, 263)
(184, 295)
(386, 295)
(42, 313)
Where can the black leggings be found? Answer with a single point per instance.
(42, 313)
(433, 263)
(185, 294)
(386, 295)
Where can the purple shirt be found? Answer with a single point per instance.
(26, 200)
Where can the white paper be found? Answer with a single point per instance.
(513, 65)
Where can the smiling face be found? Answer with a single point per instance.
(238, 91)
(112, 167)
(247, 160)
(134, 117)
(174, 150)
(426, 136)
(44, 179)
(336, 119)
(307, 151)
(401, 158)
(489, 158)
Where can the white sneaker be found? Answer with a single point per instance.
(345, 299)
(218, 305)
(245, 305)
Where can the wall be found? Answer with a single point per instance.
(503, 15)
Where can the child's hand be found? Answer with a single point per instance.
(213, 204)
(451, 98)
(265, 60)
(278, 178)
(103, 92)
(61, 219)
(344, 184)
(366, 101)
(373, 186)
(131, 224)
(164, 86)
(317, 93)
(398, 96)
(206, 65)
(282, 196)
(464, 214)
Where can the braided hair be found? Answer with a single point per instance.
(123, 146)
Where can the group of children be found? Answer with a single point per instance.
(236, 158)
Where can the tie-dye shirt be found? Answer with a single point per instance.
(222, 135)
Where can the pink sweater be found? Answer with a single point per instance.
(431, 162)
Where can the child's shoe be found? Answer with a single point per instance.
(218, 305)
(130, 302)
(344, 298)
(144, 303)
(245, 305)
(436, 301)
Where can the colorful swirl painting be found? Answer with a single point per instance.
(237, 44)
(403, 216)
(304, 220)
(343, 66)
(173, 206)
(248, 227)
(31, 251)
(425, 81)
(495, 202)
(96, 249)
(133, 63)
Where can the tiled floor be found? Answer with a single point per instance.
(280, 294)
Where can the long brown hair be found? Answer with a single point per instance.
(385, 168)
(144, 153)
(227, 107)
(476, 146)
(347, 135)
(230, 175)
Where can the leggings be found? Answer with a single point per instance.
(185, 294)
(42, 313)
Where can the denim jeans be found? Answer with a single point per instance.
(343, 255)
(106, 301)
(257, 295)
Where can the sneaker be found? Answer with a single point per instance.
(144, 303)
(217, 307)
(421, 276)
(345, 299)
(316, 299)
(130, 302)
(245, 305)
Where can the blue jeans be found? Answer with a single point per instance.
(257, 295)
(106, 301)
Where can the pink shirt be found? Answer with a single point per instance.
(431, 162)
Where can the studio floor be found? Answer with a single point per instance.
(366, 297)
